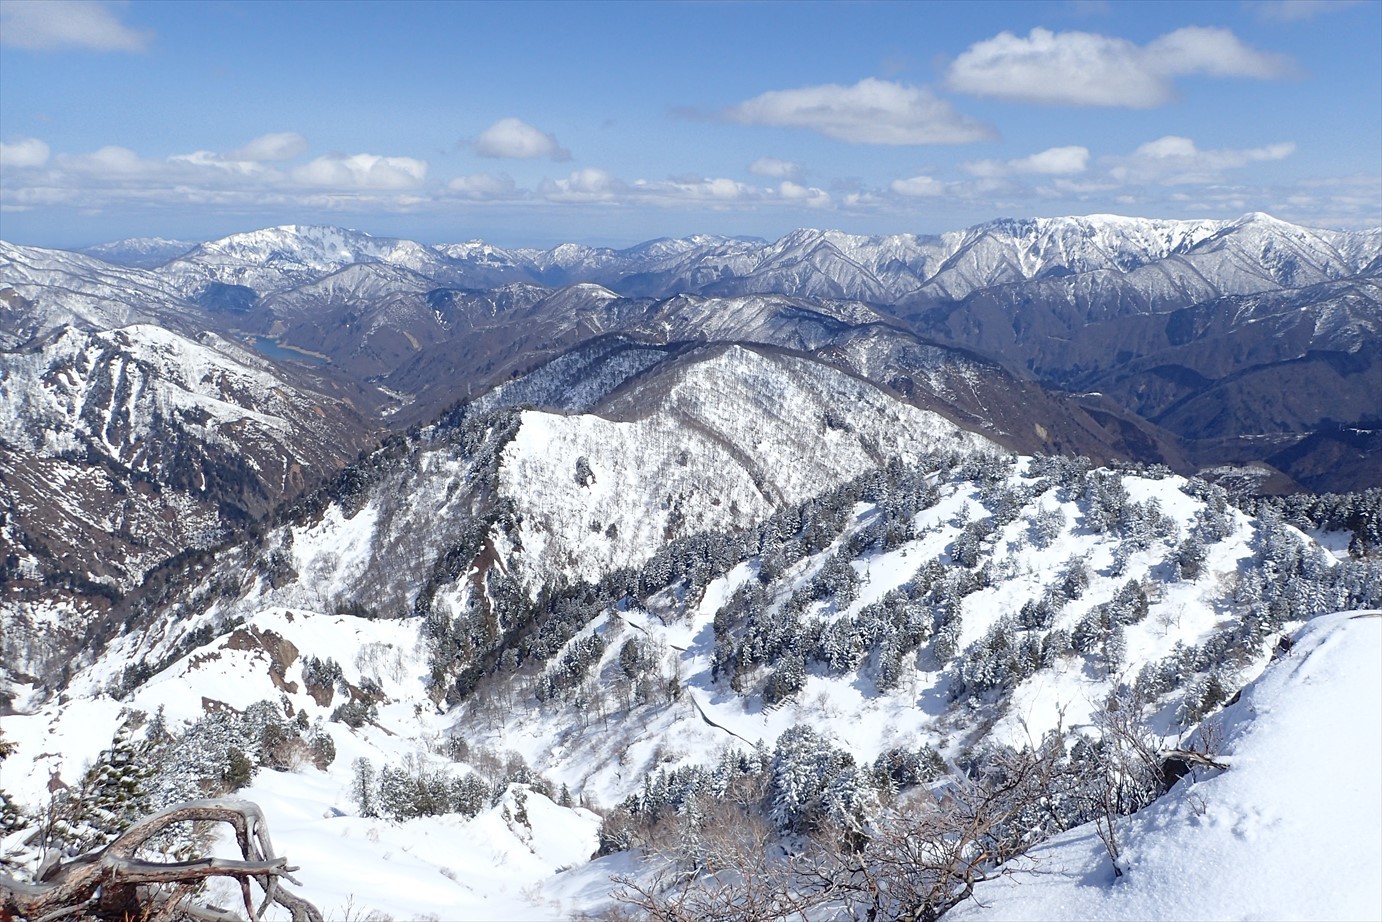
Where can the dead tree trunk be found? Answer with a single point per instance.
(114, 884)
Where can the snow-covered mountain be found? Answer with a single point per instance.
(706, 547)
(140, 252)
(921, 618)
(660, 445)
(275, 257)
(1279, 378)
(1163, 260)
(42, 290)
(130, 446)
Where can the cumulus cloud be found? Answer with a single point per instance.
(111, 161)
(918, 187)
(1173, 160)
(775, 168)
(25, 152)
(1055, 161)
(871, 111)
(588, 184)
(1088, 69)
(483, 186)
(809, 196)
(362, 171)
(41, 25)
(271, 148)
(514, 139)
(117, 177)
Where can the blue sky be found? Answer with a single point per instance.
(534, 123)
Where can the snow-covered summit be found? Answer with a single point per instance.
(140, 252)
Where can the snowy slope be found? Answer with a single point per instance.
(42, 290)
(159, 403)
(604, 739)
(732, 436)
(1289, 831)
(443, 867)
(715, 439)
(122, 448)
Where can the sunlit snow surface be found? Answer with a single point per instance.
(1292, 830)
(1303, 742)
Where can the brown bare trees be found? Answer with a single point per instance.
(917, 858)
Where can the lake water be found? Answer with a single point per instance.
(281, 353)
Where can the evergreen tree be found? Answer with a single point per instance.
(362, 789)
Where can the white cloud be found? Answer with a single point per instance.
(271, 148)
(588, 184)
(110, 161)
(483, 186)
(1088, 69)
(222, 162)
(1215, 52)
(809, 196)
(871, 111)
(918, 187)
(43, 25)
(775, 168)
(1173, 160)
(26, 152)
(1055, 161)
(362, 171)
(514, 139)
(592, 185)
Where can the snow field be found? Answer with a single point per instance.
(1289, 831)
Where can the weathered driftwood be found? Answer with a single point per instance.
(113, 884)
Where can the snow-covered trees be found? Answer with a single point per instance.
(114, 792)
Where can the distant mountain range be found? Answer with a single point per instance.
(157, 394)
(709, 527)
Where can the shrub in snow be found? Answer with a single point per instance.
(901, 767)
(354, 714)
(239, 770)
(788, 678)
(805, 766)
(1046, 526)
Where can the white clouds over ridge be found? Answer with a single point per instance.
(871, 111)
(252, 174)
(1055, 161)
(1088, 69)
(256, 175)
(515, 139)
(1174, 160)
(363, 171)
(43, 25)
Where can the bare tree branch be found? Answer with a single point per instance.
(115, 884)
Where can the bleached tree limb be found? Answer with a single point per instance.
(115, 884)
